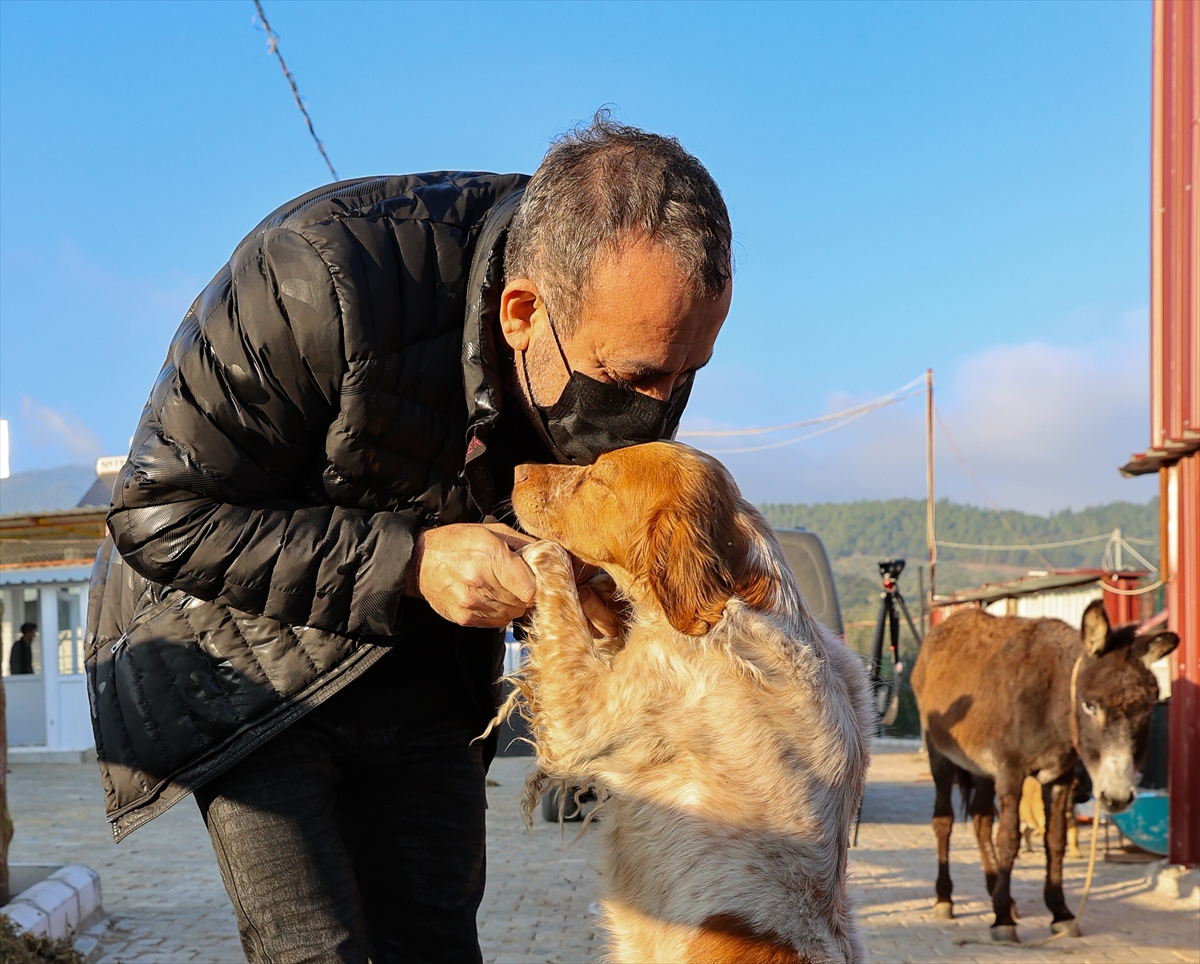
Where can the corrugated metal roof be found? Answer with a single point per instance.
(33, 575)
(1021, 587)
(101, 491)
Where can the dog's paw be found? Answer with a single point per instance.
(549, 562)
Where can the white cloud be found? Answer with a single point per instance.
(1044, 427)
(60, 435)
(1041, 428)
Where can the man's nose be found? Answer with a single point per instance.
(661, 388)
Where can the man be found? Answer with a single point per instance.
(302, 620)
(20, 657)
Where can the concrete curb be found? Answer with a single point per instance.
(59, 905)
(34, 754)
(898, 744)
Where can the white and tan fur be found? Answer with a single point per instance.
(726, 726)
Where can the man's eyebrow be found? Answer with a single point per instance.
(636, 372)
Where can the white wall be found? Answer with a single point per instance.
(50, 709)
(1067, 605)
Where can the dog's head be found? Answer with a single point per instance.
(669, 518)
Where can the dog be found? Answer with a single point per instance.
(724, 728)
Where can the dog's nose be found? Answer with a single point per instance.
(520, 473)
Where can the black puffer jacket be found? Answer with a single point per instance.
(331, 391)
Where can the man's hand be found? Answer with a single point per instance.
(471, 574)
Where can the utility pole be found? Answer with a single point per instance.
(924, 606)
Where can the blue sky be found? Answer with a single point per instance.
(956, 185)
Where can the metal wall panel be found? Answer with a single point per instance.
(1175, 385)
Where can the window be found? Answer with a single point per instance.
(20, 606)
(70, 632)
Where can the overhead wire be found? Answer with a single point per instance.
(983, 491)
(883, 400)
(848, 415)
(821, 431)
(1034, 545)
(273, 48)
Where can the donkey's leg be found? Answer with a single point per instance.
(1059, 801)
(982, 807)
(943, 822)
(1008, 843)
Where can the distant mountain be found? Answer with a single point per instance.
(42, 490)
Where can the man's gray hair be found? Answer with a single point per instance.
(606, 183)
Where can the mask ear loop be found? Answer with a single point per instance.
(557, 344)
(539, 420)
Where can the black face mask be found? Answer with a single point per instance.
(592, 417)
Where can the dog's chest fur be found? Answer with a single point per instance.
(733, 762)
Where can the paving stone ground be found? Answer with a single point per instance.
(166, 902)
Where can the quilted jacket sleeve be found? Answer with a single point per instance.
(213, 498)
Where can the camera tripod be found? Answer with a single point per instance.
(891, 604)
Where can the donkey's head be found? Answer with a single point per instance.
(1114, 692)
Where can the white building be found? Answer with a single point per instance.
(45, 570)
(46, 710)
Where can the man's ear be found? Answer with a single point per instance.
(1095, 628)
(1154, 646)
(518, 302)
(688, 578)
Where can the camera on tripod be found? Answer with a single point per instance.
(891, 606)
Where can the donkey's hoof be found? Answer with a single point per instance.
(1069, 927)
(1005, 933)
(943, 910)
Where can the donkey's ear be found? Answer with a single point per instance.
(1095, 629)
(1154, 646)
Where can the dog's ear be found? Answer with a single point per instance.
(686, 572)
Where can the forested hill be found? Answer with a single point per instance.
(896, 527)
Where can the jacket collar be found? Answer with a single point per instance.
(483, 379)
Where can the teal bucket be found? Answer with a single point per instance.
(1146, 822)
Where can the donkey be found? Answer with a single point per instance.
(1003, 698)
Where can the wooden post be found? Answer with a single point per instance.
(921, 591)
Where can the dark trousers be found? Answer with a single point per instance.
(358, 832)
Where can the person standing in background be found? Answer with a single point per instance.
(20, 657)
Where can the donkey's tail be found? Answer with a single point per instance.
(978, 793)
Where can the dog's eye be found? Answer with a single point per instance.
(1090, 708)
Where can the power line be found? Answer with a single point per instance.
(971, 476)
(862, 409)
(800, 438)
(1022, 548)
(273, 48)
